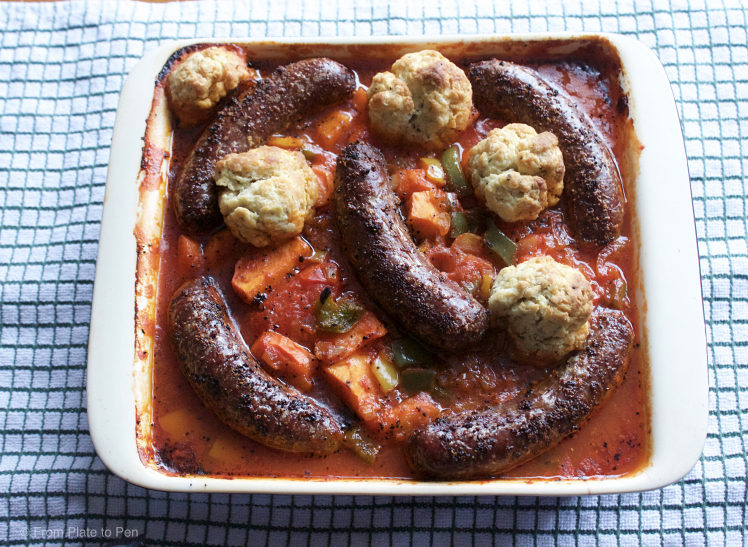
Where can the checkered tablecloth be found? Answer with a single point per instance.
(61, 69)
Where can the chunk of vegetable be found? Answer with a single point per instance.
(308, 154)
(485, 286)
(255, 273)
(224, 450)
(410, 414)
(339, 315)
(469, 243)
(293, 362)
(459, 225)
(323, 273)
(289, 308)
(418, 379)
(428, 214)
(356, 384)
(334, 347)
(400, 164)
(500, 244)
(331, 129)
(465, 223)
(219, 248)
(290, 143)
(177, 423)
(434, 170)
(386, 373)
(190, 257)
(323, 165)
(408, 181)
(360, 100)
(410, 353)
(319, 256)
(465, 262)
(325, 179)
(440, 393)
(451, 163)
(362, 445)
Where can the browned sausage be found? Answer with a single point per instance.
(490, 442)
(592, 185)
(222, 371)
(245, 122)
(398, 277)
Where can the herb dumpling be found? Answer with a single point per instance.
(267, 194)
(199, 82)
(517, 171)
(545, 307)
(426, 99)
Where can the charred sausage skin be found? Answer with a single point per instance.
(222, 371)
(592, 185)
(489, 442)
(247, 120)
(396, 275)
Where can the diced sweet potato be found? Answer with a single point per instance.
(354, 381)
(361, 133)
(332, 128)
(219, 248)
(409, 181)
(325, 177)
(292, 362)
(177, 422)
(470, 244)
(226, 451)
(190, 256)
(428, 214)
(254, 273)
(334, 347)
(399, 421)
(359, 99)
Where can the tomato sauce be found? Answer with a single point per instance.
(189, 439)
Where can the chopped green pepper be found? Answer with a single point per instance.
(362, 445)
(466, 222)
(308, 154)
(385, 372)
(418, 379)
(451, 163)
(440, 393)
(408, 352)
(338, 315)
(500, 244)
(476, 219)
(459, 225)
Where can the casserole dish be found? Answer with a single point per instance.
(121, 358)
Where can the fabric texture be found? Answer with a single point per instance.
(62, 66)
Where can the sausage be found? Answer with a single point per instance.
(222, 371)
(393, 271)
(247, 120)
(489, 442)
(592, 185)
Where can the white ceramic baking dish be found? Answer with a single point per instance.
(670, 302)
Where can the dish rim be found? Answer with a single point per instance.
(678, 383)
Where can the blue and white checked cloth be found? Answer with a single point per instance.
(61, 69)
